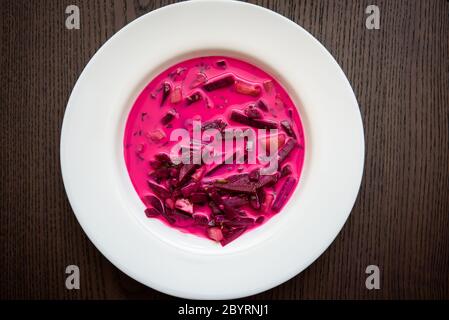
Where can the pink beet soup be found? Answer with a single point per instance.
(214, 146)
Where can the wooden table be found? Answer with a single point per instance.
(400, 222)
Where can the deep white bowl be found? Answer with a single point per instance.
(101, 193)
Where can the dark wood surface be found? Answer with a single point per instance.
(400, 222)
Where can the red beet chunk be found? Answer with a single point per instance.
(252, 113)
(286, 149)
(238, 183)
(152, 212)
(189, 188)
(219, 83)
(184, 205)
(200, 218)
(267, 202)
(198, 197)
(287, 126)
(163, 158)
(186, 171)
(160, 174)
(236, 201)
(247, 89)
(166, 89)
(283, 194)
(215, 234)
(218, 124)
(169, 116)
(194, 97)
(200, 79)
(267, 180)
(221, 64)
(286, 170)
(240, 222)
(156, 135)
(254, 201)
(232, 234)
(158, 189)
(154, 202)
(254, 175)
(262, 105)
(239, 117)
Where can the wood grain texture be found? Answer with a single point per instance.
(400, 222)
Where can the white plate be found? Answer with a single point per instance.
(101, 193)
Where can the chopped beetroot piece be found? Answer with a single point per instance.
(200, 218)
(264, 124)
(215, 234)
(284, 193)
(224, 162)
(198, 174)
(236, 201)
(286, 149)
(254, 201)
(154, 202)
(262, 105)
(268, 86)
(163, 158)
(239, 117)
(287, 126)
(240, 222)
(278, 139)
(286, 170)
(174, 173)
(199, 80)
(219, 219)
(246, 88)
(215, 197)
(166, 89)
(198, 197)
(179, 74)
(214, 208)
(194, 97)
(259, 220)
(261, 193)
(169, 116)
(186, 172)
(219, 83)
(266, 204)
(267, 180)
(229, 211)
(221, 64)
(239, 183)
(252, 113)
(184, 205)
(160, 173)
(176, 95)
(231, 235)
(254, 175)
(170, 203)
(169, 216)
(156, 135)
(152, 212)
(189, 188)
(155, 164)
(159, 190)
(218, 124)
